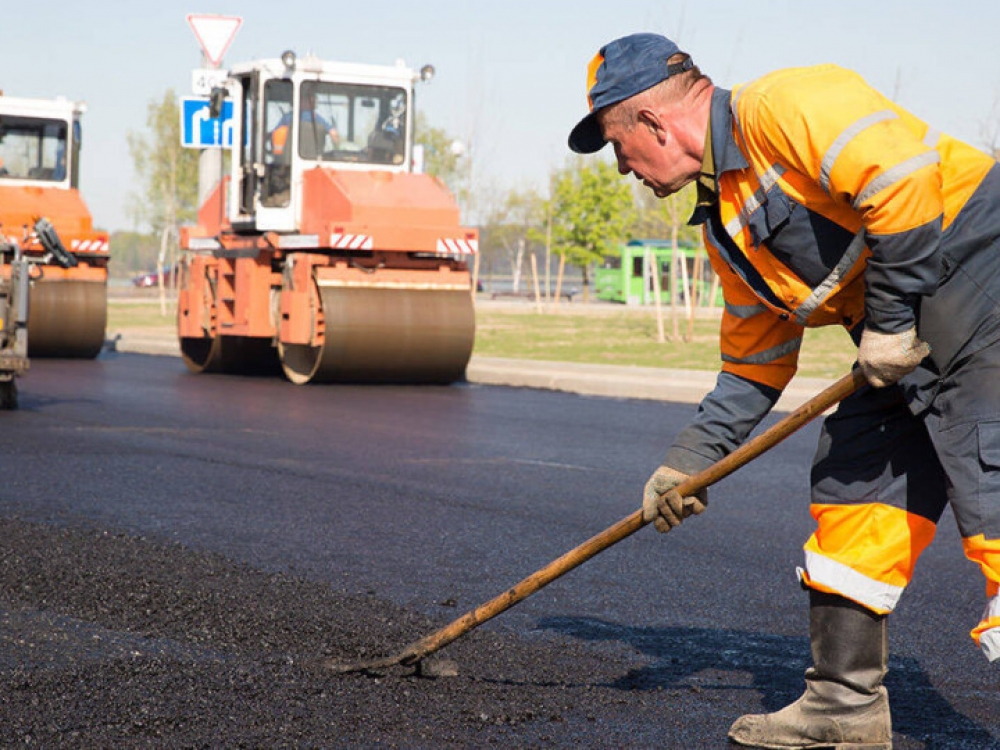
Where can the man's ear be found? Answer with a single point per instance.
(650, 119)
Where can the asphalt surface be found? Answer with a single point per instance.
(181, 552)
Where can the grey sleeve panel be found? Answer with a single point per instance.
(724, 419)
(903, 267)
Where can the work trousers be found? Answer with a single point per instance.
(882, 477)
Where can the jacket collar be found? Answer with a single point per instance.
(726, 154)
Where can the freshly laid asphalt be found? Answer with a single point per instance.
(181, 552)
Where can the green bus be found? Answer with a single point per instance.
(628, 277)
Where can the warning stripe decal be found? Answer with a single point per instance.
(453, 246)
(351, 241)
(89, 246)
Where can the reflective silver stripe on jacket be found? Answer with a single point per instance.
(840, 143)
(768, 355)
(745, 311)
(894, 175)
(932, 138)
(826, 287)
(755, 201)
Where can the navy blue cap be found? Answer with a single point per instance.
(622, 69)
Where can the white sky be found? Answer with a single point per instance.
(510, 73)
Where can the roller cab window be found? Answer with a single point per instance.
(278, 125)
(32, 148)
(353, 123)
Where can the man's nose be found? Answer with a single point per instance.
(622, 168)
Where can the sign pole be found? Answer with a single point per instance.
(214, 34)
(209, 169)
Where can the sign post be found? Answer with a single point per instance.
(214, 34)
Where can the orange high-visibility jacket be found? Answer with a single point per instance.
(835, 206)
(837, 176)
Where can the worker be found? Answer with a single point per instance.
(387, 142)
(314, 130)
(59, 172)
(822, 202)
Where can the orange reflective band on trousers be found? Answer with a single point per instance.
(986, 554)
(865, 552)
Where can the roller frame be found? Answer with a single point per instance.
(410, 324)
(207, 346)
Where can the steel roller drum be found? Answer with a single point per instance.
(67, 318)
(387, 335)
(201, 354)
(233, 355)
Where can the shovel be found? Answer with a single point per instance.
(437, 640)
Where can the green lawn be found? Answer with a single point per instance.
(145, 314)
(630, 337)
(573, 332)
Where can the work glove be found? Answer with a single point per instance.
(662, 504)
(886, 357)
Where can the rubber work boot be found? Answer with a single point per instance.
(844, 705)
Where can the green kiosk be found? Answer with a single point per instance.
(632, 276)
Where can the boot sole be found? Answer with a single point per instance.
(820, 746)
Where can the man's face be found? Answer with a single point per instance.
(651, 152)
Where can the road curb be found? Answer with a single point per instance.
(615, 381)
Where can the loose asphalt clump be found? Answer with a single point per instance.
(112, 640)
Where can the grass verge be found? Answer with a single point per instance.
(592, 334)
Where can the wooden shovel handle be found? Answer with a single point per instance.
(417, 650)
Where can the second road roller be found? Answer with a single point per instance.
(325, 253)
(42, 211)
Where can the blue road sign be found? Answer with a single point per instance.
(198, 130)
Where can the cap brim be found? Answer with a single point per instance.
(586, 137)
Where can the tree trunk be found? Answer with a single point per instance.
(516, 270)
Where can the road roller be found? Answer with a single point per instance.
(41, 210)
(326, 254)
